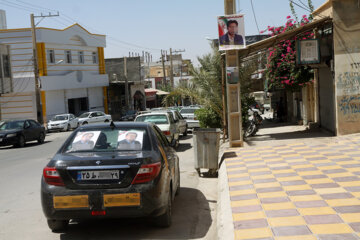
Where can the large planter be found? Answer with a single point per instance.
(206, 147)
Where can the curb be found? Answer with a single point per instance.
(225, 225)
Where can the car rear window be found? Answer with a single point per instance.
(188, 110)
(109, 140)
(156, 119)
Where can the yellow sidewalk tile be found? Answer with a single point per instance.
(349, 184)
(356, 194)
(242, 203)
(267, 185)
(357, 169)
(303, 166)
(306, 237)
(320, 180)
(335, 175)
(328, 167)
(253, 233)
(230, 170)
(272, 194)
(350, 217)
(305, 198)
(278, 206)
(343, 202)
(347, 162)
(330, 190)
(296, 187)
(242, 192)
(330, 228)
(286, 221)
(316, 211)
(248, 216)
(240, 175)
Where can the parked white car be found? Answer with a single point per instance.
(62, 122)
(188, 114)
(93, 117)
(180, 121)
(165, 121)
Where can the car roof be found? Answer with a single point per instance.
(118, 125)
(155, 113)
(16, 120)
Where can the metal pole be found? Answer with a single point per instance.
(36, 70)
(223, 97)
(126, 85)
(163, 65)
(171, 70)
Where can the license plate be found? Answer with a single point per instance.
(78, 201)
(96, 175)
(122, 200)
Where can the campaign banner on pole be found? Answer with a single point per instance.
(231, 32)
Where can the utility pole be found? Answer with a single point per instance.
(233, 91)
(171, 66)
(35, 62)
(163, 65)
(126, 85)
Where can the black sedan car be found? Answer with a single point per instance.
(117, 170)
(130, 115)
(18, 132)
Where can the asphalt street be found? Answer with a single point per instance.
(21, 217)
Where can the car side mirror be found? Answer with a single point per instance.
(90, 116)
(27, 126)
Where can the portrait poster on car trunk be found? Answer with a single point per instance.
(85, 140)
(130, 140)
(231, 32)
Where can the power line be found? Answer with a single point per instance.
(252, 6)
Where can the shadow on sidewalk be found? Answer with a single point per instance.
(271, 133)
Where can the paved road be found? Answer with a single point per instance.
(21, 216)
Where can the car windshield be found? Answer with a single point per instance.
(109, 140)
(12, 125)
(60, 118)
(84, 115)
(156, 119)
(188, 110)
(130, 112)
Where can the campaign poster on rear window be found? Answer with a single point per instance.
(85, 140)
(130, 140)
(231, 32)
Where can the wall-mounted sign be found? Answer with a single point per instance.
(232, 75)
(231, 32)
(308, 51)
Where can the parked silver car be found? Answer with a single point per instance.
(165, 121)
(188, 114)
(62, 122)
(93, 117)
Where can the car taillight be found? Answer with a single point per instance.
(195, 118)
(52, 177)
(98, 213)
(167, 133)
(146, 173)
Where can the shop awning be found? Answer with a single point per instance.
(152, 91)
(269, 42)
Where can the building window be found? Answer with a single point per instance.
(81, 57)
(94, 57)
(68, 57)
(6, 66)
(51, 55)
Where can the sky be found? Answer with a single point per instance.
(150, 25)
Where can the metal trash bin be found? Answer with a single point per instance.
(206, 147)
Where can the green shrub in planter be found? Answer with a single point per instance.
(208, 118)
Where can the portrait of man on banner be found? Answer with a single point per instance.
(231, 32)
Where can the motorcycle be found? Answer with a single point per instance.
(255, 121)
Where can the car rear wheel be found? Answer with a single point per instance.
(164, 220)
(57, 225)
(84, 123)
(106, 120)
(21, 141)
(41, 138)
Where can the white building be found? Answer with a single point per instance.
(71, 67)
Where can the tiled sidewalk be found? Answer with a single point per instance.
(296, 191)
